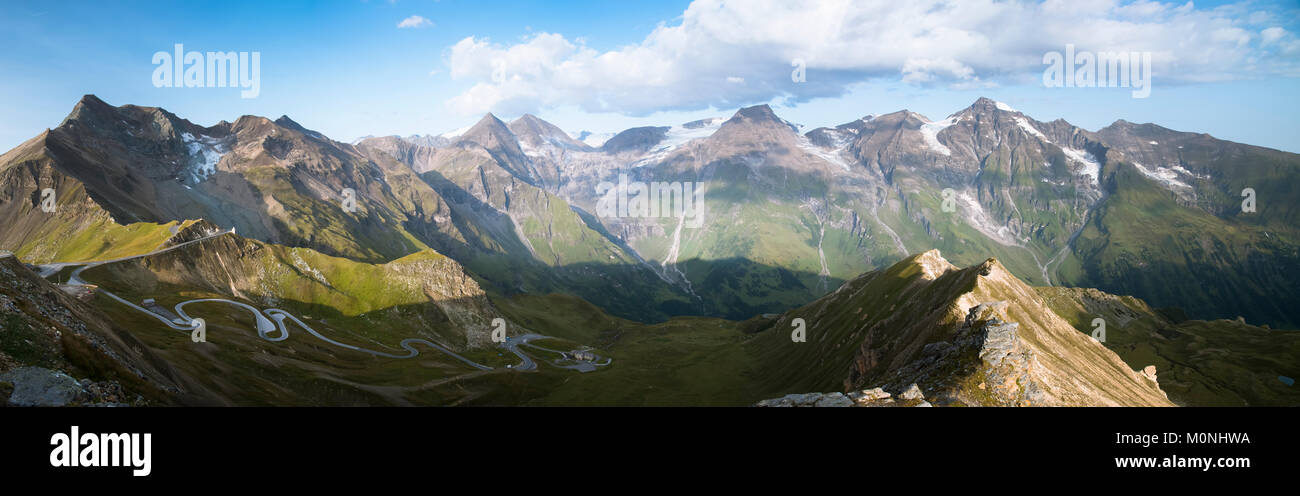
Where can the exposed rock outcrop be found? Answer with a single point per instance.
(36, 386)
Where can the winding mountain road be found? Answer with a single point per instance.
(271, 320)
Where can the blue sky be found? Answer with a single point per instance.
(347, 70)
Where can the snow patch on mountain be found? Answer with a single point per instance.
(1163, 175)
(835, 155)
(1090, 166)
(678, 136)
(549, 144)
(205, 152)
(930, 131)
(1171, 178)
(979, 219)
(1029, 128)
(682, 134)
(1179, 169)
(1004, 107)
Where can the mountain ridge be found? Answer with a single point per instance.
(832, 202)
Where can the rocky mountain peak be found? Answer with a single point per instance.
(489, 120)
(635, 139)
(758, 115)
(285, 121)
(252, 121)
(986, 109)
(989, 105)
(534, 131)
(757, 112)
(92, 103)
(756, 126)
(488, 132)
(91, 111)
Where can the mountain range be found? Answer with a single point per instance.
(504, 220)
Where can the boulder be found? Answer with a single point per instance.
(868, 395)
(1149, 372)
(808, 400)
(913, 392)
(834, 400)
(36, 386)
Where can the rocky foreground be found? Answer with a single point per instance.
(876, 397)
(38, 386)
(56, 350)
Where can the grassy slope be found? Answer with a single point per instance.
(103, 239)
(1142, 242)
(1199, 363)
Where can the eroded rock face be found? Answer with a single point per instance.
(986, 363)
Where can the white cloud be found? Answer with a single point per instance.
(1271, 35)
(414, 21)
(972, 43)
